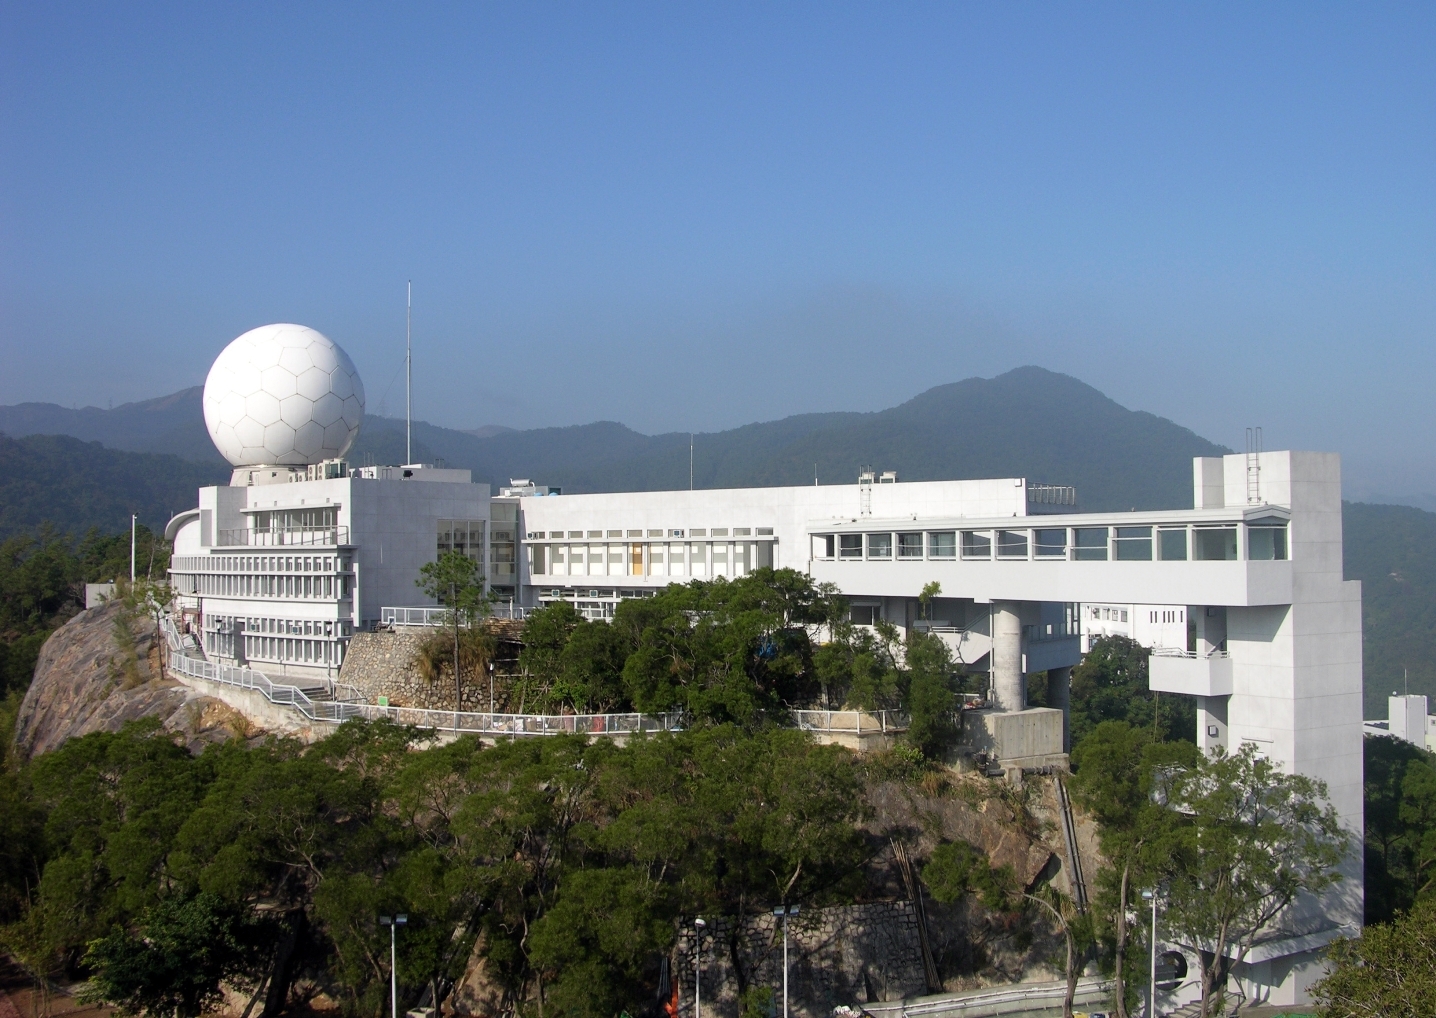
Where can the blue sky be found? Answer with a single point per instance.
(691, 217)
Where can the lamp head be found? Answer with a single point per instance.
(1148, 895)
(699, 923)
(778, 910)
(385, 920)
(400, 920)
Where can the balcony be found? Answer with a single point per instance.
(1180, 671)
(284, 537)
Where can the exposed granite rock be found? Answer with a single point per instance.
(100, 671)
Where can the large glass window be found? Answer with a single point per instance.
(1266, 539)
(880, 546)
(864, 614)
(1012, 544)
(1132, 544)
(976, 544)
(1172, 544)
(850, 545)
(942, 544)
(1052, 543)
(1214, 544)
(1089, 544)
(909, 545)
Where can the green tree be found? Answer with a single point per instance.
(454, 579)
(1390, 970)
(174, 960)
(1116, 767)
(1250, 840)
(1111, 684)
(932, 684)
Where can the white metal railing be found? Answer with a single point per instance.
(857, 721)
(439, 615)
(284, 537)
(1022, 998)
(1190, 655)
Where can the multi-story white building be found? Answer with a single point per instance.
(284, 564)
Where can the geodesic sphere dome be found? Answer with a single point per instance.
(283, 395)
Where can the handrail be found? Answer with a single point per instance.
(441, 615)
(1190, 655)
(276, 537)
(858, 721)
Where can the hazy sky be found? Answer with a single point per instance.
(687, 217)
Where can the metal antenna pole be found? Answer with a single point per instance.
(409, 376)
(133, 518)
(690, 461)
(393, 973)
(1152, 986)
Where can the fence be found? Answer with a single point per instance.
(858, 721)
(438, 615)
(1190, 655)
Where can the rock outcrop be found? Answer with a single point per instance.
(102, 670)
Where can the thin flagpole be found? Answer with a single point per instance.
(409, 376)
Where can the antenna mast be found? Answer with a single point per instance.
(409, 377)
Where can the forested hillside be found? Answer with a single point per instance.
(1391, 549)
(74, 485)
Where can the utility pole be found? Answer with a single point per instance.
(690, 461)
(133, 518)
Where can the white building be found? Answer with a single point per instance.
(298, 552)
(1151, 625)
(1407, 718)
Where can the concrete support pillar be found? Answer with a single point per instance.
(1007, 685)
(1059, 695)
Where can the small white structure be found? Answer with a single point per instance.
(1151, 625)
(1407, 718)
(97, 594)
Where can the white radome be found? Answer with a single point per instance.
(283, 395)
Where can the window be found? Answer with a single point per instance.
(720, 532)
(1172, 544)
(976, 544)
(742, 531)
(850, 545)
(909, 545)
(594, 533)
(1012, 544)
(864, 614)
(1266, 539)
(575, 533)
(700, 532)
(1052, 543)
(828, 543)
(655, 533)
(1132, 544)
(765, 531)
(1089, 544)
(942, 545)
(615, 533)
(1214, 544)
(880, 546)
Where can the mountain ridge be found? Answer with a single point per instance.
(1028, 422)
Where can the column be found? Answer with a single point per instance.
(1007, 685)
(1059, 695)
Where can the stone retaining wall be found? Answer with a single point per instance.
(386, 664)
(843, 955)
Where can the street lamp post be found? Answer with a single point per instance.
(1152, 984)
(785, 911)
(393, 924)
(698, 926)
